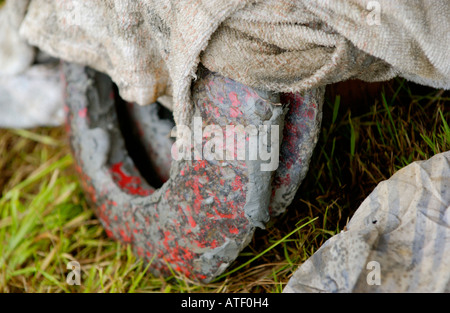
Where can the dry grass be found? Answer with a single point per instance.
(45, 221)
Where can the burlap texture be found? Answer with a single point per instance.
(152, 48)
(15, 53)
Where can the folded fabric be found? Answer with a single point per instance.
(152, 48)
(33, 98)
(31, 93)
(397, 241)
(16, 55)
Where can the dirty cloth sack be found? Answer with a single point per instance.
(152, 48)
(33, 98)
(397, 241)
(30, 85)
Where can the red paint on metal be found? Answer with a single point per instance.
(192, 221)
(234, 99)
(237, 183)
(125, 237)
(200, 164)
(131, 184)
(234, 110)
(285, 180)
(223, 215)
(233, 230)
(109, 233)
(195, 185)
(82, 113)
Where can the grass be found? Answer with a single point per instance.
(45, 221)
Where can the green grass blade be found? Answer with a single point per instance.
(267, 250)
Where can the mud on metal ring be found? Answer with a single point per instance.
(205, 212)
